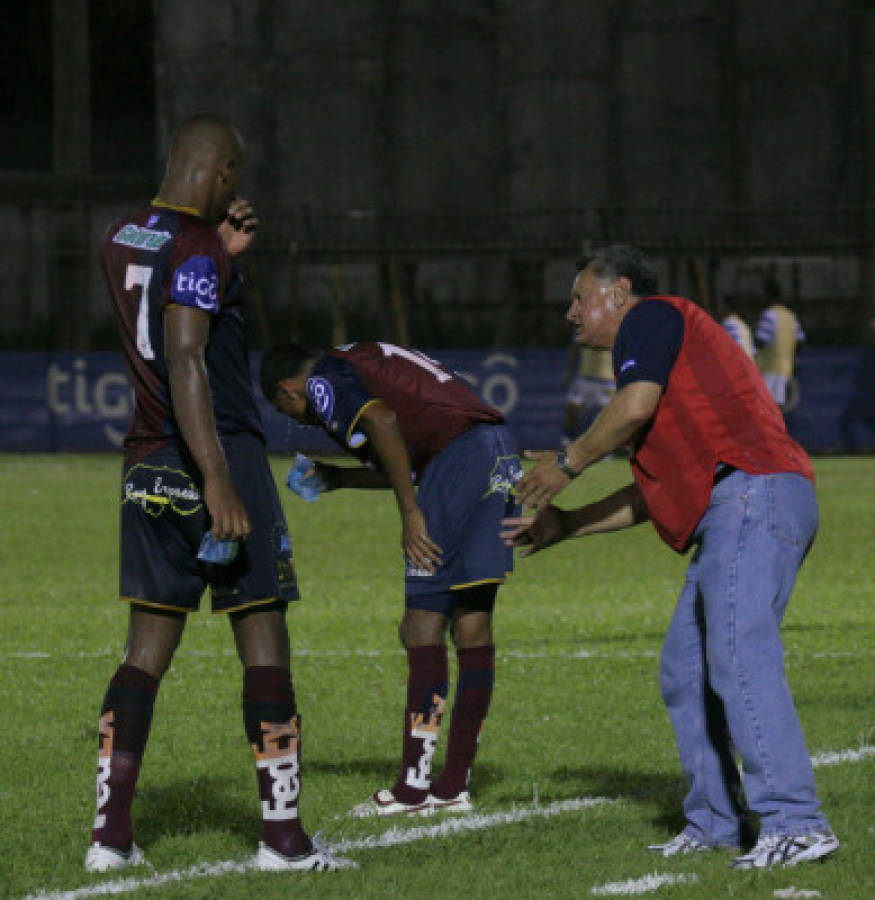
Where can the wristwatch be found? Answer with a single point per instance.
(562, 462)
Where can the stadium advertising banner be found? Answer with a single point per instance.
(83, 401)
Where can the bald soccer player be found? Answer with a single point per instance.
(195, 465)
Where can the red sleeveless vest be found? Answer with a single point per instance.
(715, 408)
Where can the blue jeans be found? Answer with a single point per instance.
(722, 666)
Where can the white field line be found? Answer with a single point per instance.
(397, 836)
(655, 881)
(126, 885)
(391, 838)
(339, 653)
(360, 653)
(836, 757)
(643, 885)
(476, 822)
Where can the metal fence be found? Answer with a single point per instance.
(459, 278)
(769, 230)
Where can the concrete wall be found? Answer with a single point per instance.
(527, 104)
(525, 129)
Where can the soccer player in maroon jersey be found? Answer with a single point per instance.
(714, 469)
(195, 467)
(414, 421)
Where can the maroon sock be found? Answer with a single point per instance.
(426, 696)
(273, 728)
(474, 691)
(125, 719)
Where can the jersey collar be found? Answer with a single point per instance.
(189, 210)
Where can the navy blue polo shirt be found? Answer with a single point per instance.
(647, 343)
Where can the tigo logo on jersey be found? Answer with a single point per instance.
(196, 283)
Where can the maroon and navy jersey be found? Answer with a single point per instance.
(432, 405)
(162, 255)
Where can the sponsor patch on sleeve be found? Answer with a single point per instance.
(142, 238)
(196, 283)
(321, 395)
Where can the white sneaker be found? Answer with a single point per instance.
(461, 803)
(383, 803)
(317, 860)
(101, 858)
(680, 845)
(788, 849)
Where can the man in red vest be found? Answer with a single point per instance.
(716, 470)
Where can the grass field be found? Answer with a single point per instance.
(576, 714)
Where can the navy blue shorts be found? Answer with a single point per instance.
(163, 519)
(464, 493)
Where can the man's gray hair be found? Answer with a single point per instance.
(626, 261)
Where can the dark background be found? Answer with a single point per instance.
(429, 171)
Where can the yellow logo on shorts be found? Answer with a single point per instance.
(504, 475)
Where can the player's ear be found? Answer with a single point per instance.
(622, 288)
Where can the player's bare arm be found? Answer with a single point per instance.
(237, 229)
(622, 509)
(186, 331)
(629, 410)
(378, 422)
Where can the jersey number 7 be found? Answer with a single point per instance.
(140, 276)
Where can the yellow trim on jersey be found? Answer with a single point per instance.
(461, 587)
(358, 415)
(189, 210)
(138, 602)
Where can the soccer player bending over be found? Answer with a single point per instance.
(195, 466)
(416, 422)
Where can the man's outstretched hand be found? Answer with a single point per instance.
(534, 533)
